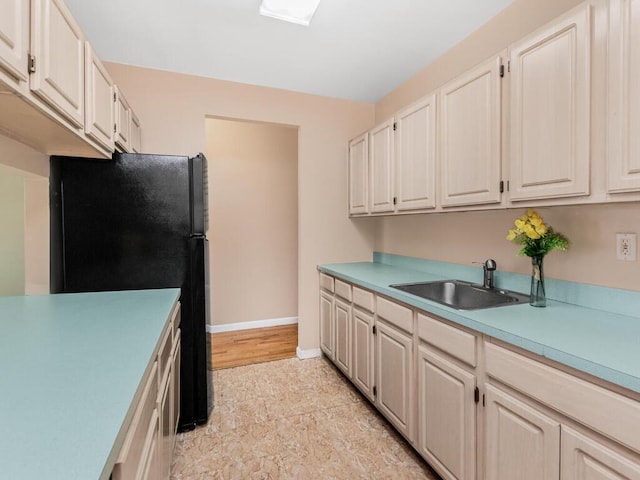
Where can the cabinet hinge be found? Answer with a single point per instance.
(115, 129)
(501, 186)
(395, 200)
(483, 399)
(375, 391)
(395, 126)
(476, 394)
(115, 99)
(375, 331)
(31, 64)
(508, 186)
(501, 71)
(508, 65)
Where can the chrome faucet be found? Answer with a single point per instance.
(488, 266)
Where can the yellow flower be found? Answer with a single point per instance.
(541, 229)
(531, 232)
(520, 224)
(511, 235)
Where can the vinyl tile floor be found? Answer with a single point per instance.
(293, 419)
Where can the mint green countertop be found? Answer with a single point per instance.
(602, 341)
(70, 366)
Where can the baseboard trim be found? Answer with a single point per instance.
(232, 327)
(310, 353)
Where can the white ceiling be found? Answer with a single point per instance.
(354, 49)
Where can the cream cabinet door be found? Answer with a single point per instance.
(14, 37)
(57, 43)
(469, 143)
(394, 361)
(359, 175)
(521, 442)
(446, 416)
(381, 158)
(342, 319)
(363, 347)
(623, 159)
(585, 458)
(416, 156)
(99, 121)
(550, 114)
(123, 121)
(326, 324)
(136, 134)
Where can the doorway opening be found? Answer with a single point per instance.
(253, 240)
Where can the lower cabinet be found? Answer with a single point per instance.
(474, 409)
(148, 446)
(394, 361)
(326, 324)
(521, 442)
(446, 415)
(583, 457)
(342, 318)
(363, 348)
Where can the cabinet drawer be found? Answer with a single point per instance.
(164, 354)
(343, 289)
(395, 314)
(363, 299)
(176, 318)
(134, 449)
(326, 282)
(607, 412)
(451, 340)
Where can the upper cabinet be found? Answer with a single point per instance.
(392, 167)
(57, 63)
(136, 134)
(416, 156)
(99, 95)
(381, 155)
(623, 174)
(358, 174)
(123, 121)
(57, 95)
(14, 38)
(469, 146)
(550, 114)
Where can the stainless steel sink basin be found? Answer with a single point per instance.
(463, 295)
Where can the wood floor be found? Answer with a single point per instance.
(245, 347)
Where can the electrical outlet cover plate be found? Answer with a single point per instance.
(626, 246)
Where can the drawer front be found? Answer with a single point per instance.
(164, 354)
(132, 455)
(607, 412)
(451, 340)
(398, 315)
(175, 320)
(326, 282)
(343, 289)
(363, 298)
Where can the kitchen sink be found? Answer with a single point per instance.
(463, 295)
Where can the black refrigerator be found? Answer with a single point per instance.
(138, 222)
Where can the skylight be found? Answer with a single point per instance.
(294, 11)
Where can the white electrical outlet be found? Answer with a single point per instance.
(626, 246)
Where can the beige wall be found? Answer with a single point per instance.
(33, 168)
(173, 107)
(474, 236)
(11, 233)
(253, 234)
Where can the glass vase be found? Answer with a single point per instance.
(538, 296)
